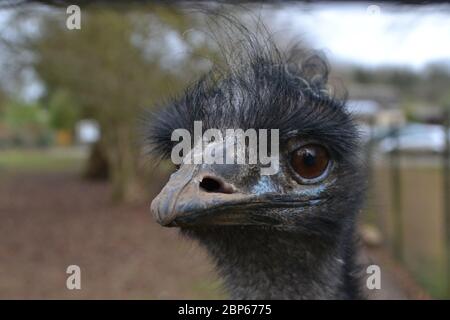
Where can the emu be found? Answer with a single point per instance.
(290, 235)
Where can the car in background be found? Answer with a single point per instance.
(415, 138)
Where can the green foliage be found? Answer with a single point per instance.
(63, 111)
(26, 124)
(19, 115)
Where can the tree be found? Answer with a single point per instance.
(63, 111)
(113, 73)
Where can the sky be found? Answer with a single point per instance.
(370, 34)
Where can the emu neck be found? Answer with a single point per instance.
(263, 264)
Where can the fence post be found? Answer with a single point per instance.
(396, 196)
(370, 168)
(446, 193)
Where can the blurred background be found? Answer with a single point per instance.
(76, 189)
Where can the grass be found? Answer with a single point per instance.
(41, 160)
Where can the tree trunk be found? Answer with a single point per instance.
(122, 154)
(97, 167)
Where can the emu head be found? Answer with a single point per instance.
(318, 186)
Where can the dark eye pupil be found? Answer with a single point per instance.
(310, 161)
(309, 158)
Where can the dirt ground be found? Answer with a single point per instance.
(52, 220)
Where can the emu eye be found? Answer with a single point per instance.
(310, 161)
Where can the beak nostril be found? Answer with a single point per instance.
(210, 184)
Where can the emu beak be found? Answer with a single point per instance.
(194, 196)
